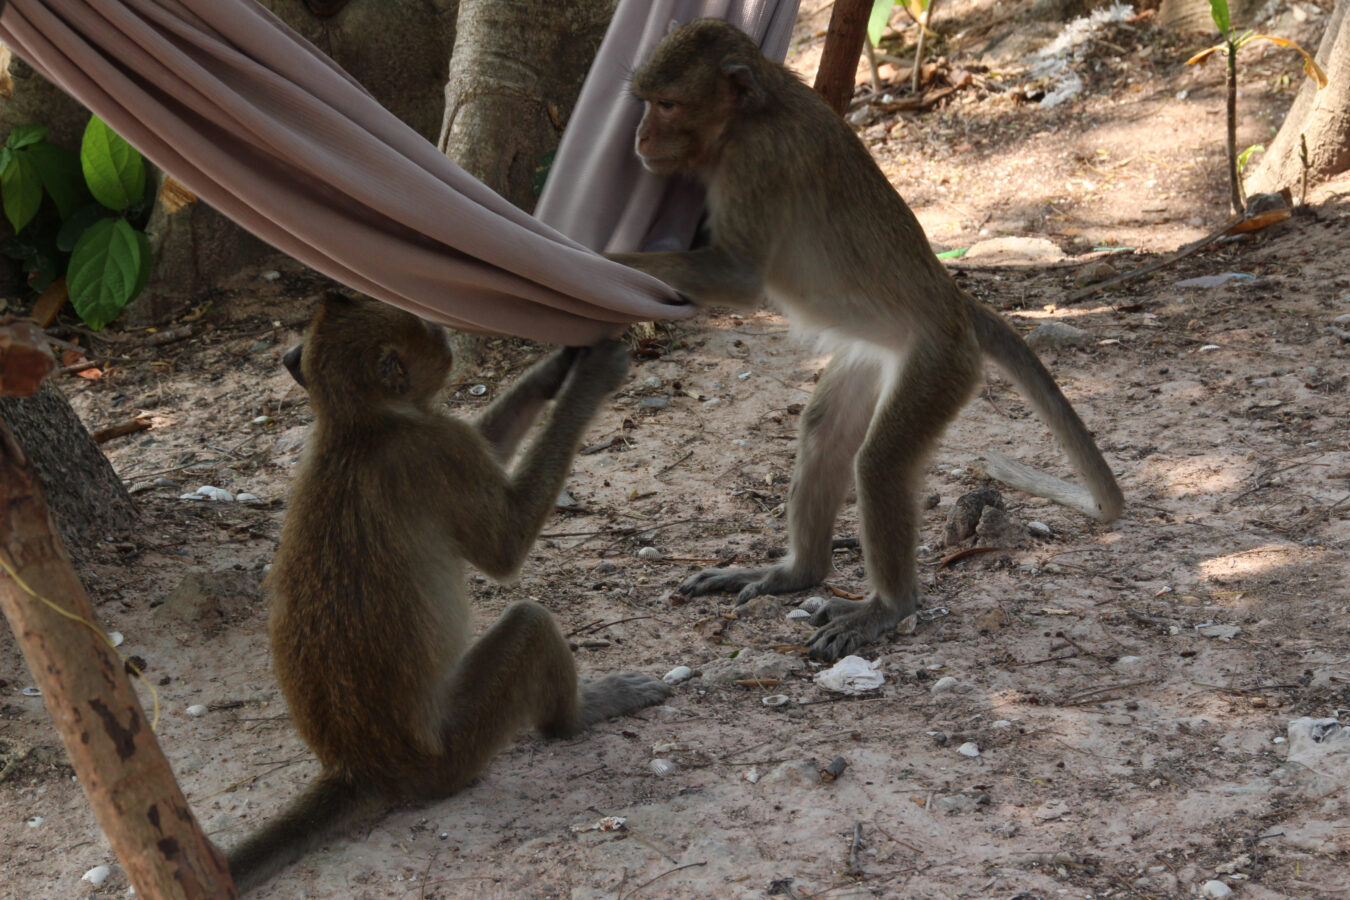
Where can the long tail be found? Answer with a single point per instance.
(1101, 500)
(329, 805)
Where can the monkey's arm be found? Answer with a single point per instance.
(505, 422)
(498, 518)
(710, 276)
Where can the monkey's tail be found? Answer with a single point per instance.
(1101, 500)
(327, 806)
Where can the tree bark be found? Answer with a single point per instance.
(88, 500)
(515, 73)
(84, 684)
(1322, 118)
(843, 45)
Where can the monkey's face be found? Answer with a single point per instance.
(699, 78)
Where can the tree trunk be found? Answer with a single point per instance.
(87, 499)
(1193, 16)
(1322, 118)
(843, 44)
(515, 73)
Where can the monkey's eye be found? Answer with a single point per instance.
(666, 105)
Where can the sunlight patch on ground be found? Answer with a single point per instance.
(1251, 562)
(1198, 475)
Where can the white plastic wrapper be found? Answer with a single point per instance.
(852, 675)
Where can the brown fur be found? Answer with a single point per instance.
(798, 209)
(369, 619)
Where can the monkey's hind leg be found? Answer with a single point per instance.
(929, 392)
(520, 672)
(833, 426)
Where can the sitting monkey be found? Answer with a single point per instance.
(369, 619)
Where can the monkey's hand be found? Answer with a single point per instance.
(598, 369)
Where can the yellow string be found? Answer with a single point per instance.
(154, 694)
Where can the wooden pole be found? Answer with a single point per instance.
(843, 45)
(86, 688)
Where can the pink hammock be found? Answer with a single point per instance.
(263, 126)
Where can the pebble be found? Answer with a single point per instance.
(1057, 334)
(262, 420)
(196, 709)
(31, 692)
(164, 483)
(649, 553)
(799, 614)
(1222, 632)
(35, 821)
(116, 638)
(752, 774)
(775, 700)
(969, 748)
(1342, 320)
(653, 403)
(944, 684)
(97, 875)
(269, 275)
(1214, 889)
(246, 497)
(478, 390)
(678, 675)
(1040, 529)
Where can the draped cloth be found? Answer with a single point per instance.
(263, 126)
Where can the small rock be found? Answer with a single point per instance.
(678, 675)
(795, 772)
(649, 553)
(1048, 812)
(164, 483)
(943, 684)
(653, 403)
(1213, 281)
(565, 500)
(1131, 665)
(750, 663)
(765, 606)
(34, 822)
(775, 700)
(1222, 632)
(196, 709)
(1056, 335)
(97, 875)
(799, 614)
(812, 604)
(262, 420)
(932, 500)
(116, 637)
(269, 275)
(207, 492)
(1213, 889)
(1040, 529)
(969, 748)
(998, 529)
(1015, 251)
(1342, 320)
(246, 497)
(965, 514)
(1095, 273)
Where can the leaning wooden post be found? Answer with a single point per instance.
(84, 683)
(843, 45)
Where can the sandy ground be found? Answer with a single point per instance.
(1126, 686)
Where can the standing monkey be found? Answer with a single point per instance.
(798, 210)
(369, 620)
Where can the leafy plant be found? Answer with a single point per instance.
(73, 216)
(1232, 43)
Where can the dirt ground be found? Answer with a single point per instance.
(1128, 687)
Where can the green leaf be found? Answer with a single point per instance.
(881, 15)
(541, 170)
(105, 268)
(6, 155)
(112, 167)
(76, 223)
(953, 254)
(1218, 9)
(22, 189)
(60, 172)
(1247, 154)
(23, 135)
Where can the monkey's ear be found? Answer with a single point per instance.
(291, 360)
(392, 373)
(749, 92)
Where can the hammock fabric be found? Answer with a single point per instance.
(263, 126)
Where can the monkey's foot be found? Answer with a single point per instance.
(747, 584)
(848, 625)
(622, 692)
